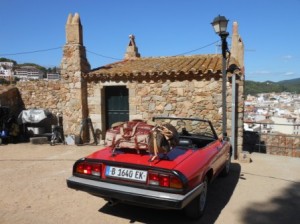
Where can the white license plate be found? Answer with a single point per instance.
(125, 173)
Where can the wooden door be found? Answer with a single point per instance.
(116, 104)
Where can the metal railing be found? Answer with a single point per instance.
(265, 139)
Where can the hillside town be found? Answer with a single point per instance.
(273, 113)
(10, 72)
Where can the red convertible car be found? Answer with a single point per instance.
(165, 164)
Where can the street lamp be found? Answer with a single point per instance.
(220, 26)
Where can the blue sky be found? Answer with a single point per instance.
(269, 29)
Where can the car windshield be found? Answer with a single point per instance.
(189, 126)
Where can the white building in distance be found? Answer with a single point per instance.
(6, 70)
(28, 73)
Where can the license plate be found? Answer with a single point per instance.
(125, 173)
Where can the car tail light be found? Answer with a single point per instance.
(175, 182)
(93, 169)
(153, 179)
(164, 180)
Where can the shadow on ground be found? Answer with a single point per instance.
(220, 192)
(283, 208)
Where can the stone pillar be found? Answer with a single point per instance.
(237, 51)
(237, 46)
(74, 88)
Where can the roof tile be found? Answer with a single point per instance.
(156, 66)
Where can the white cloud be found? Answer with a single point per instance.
(287, 57)
(289, 74)
(260, 72)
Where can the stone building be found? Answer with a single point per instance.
(139, 88)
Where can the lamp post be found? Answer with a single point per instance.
(220, 26)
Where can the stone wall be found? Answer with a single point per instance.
(63, 97)
(60, 96)
(275, 144)
(95, 98)
(182, 99)
(73, 64)
(43, 95)
(46, 95)
(285, 145)
(186, 98)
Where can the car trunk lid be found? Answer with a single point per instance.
(166, 161)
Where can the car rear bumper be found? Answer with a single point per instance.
(143, 197)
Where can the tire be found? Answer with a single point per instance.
(196, 208)
(226, 168)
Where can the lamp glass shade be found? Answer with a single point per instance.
(220, 24)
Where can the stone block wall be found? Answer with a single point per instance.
(63, 97)
(73, 65)
(285, 145)
(274, 144)
(42, 95)
(95, 100)
(182, 98)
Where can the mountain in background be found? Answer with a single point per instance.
(253, 88)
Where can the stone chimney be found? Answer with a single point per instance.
(132, 50)
(74, 29)
(74, 88)
(237, 46)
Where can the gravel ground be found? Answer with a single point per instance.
(33, 190)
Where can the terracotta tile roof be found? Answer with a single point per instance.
(157, 66)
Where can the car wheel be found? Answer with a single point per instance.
(226, 168)
(196, 208)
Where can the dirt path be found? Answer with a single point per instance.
(33, 190)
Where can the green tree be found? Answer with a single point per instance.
(8, 60)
